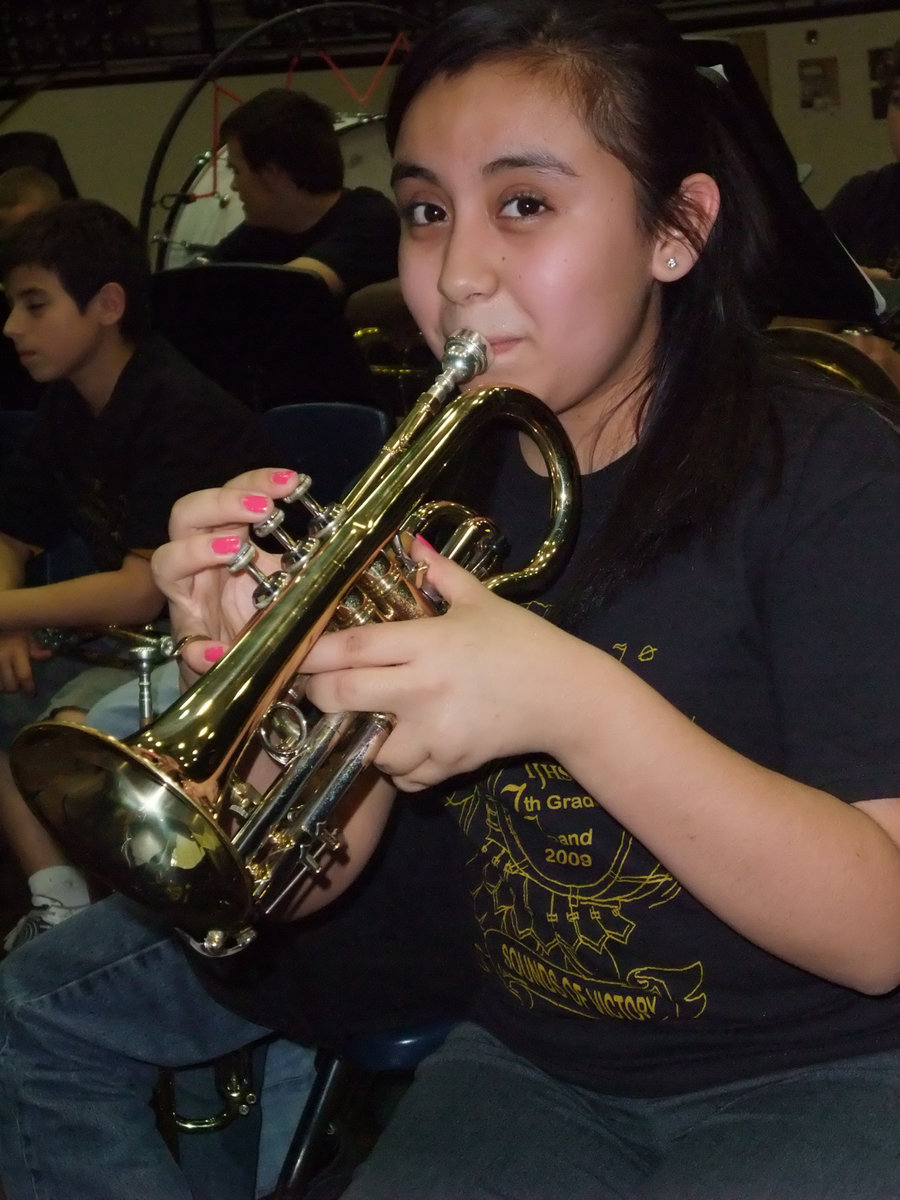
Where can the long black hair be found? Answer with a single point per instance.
(638, 90)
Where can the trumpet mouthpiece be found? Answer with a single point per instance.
(466, 354)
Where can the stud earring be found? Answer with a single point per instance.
(671, 263)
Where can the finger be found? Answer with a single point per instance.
(403, 761)
(244, 500)
(453, 582)
(198, 656)
(21, 668)
(360, 690)
(177, 563)
(382, 645)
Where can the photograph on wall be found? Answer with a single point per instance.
(878, 94)
(819, 84)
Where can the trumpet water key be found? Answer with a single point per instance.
(168, 816)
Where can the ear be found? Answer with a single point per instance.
(698, 201)
(109, 303)
(274, 178)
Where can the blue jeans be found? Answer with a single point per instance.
(480, 1123)
(88, 1012)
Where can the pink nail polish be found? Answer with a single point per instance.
(213, 653)
(255, 504)
(425, 542)
(226, 545)
(282, 476)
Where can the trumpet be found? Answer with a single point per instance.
(168, 816)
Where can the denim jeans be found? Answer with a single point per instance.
(88, 1012)
(480, 1123)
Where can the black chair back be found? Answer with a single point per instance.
(269, 335)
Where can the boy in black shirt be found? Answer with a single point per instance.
(126, 427)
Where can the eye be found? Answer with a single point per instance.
(522, 206)
(423, 213)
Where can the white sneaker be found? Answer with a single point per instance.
(44, 914)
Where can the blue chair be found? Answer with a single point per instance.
(331, 441)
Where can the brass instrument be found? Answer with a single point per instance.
(167, 816)
(837, 360)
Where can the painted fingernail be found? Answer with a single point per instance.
(213, 653)
(255, 504)
(425, 542)
(282, 476)
(226, 545)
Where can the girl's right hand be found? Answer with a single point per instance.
(206, 530)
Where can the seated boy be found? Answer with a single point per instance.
(125, 427)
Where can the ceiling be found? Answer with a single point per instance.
(66, 43)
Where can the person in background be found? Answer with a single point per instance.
(865, 212)
(285, 156)
(865, 216)
(125, 427)
(23, 191)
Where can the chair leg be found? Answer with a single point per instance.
(304, 1157)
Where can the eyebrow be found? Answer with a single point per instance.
(30, 293)
(537, 160)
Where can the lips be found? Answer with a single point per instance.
(501, 344)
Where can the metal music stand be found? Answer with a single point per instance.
(815, 276)
(269, 335)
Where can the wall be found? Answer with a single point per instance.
(840, 141)
(109, 134)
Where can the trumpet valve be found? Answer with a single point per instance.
(324, 520)
(268, 586)
(324, 840)
(243, 799)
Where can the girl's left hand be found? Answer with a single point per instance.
(466, 687)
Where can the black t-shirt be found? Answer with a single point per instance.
(111, 479)
(865, 215)
(357, 238)
(779, 636)
(394, 951)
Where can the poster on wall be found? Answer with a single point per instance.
(878, 94)
(819, 84)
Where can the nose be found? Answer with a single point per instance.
(10, 324)
(468, 270)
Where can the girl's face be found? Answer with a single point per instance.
(518, 225)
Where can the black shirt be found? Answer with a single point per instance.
(112, 478)
(357, 238)
(865, 215)
(777, 635)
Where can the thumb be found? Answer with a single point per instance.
(454, 583)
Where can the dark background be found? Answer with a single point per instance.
(66, 43)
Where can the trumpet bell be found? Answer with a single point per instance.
(159, 847)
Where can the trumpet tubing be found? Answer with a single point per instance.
(167, 816)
